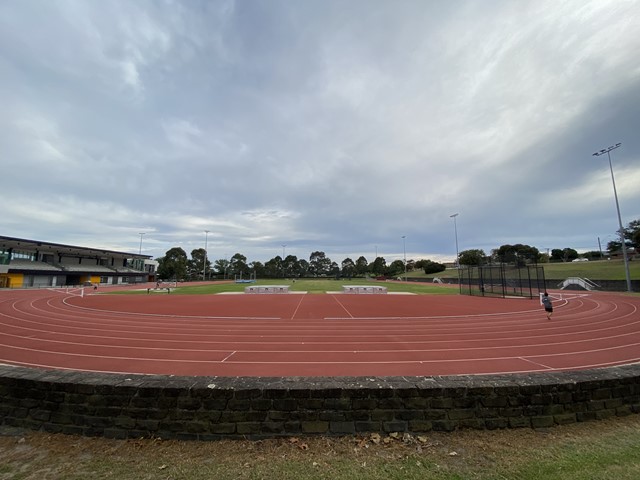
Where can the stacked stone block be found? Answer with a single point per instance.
(210, 408)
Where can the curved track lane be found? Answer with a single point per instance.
(316, 335)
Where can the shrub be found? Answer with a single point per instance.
(433, 267)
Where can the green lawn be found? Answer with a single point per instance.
(309, 286)
(598, 270)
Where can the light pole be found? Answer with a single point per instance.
(404, 249)
(455, 229)
(140, 249)
(600, 248)
(283, 272)
(204, 268)
(615, 194)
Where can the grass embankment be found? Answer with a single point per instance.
(597, 270)
(602, 450)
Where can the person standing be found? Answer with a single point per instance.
(548, 305)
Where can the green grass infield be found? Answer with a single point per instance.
(319, 286)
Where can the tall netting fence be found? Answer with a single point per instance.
(502, 280)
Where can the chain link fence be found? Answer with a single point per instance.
(502, 280)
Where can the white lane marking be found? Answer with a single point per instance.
(296, 310)
(228, 357)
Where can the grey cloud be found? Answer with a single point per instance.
(322, 125)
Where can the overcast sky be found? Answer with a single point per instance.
(329, 125)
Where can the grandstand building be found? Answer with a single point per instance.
(31, 263)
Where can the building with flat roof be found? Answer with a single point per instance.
(32, 263)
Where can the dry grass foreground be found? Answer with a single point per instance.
(607, 449)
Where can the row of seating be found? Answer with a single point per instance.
(22, 264)
(31, 265)
(79, 267)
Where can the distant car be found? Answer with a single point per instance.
(580, 260)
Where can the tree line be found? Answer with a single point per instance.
(175, 264)
(523, 254)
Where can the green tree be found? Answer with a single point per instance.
(614, 246)
(471, 257)
(239, 265)
(221, 266)
(302, 268)
(319, 264)
(348, 268)
(334, 269)
(564, 255)
(273, 267)
(289, 265)
(557, 255)
(518, 253)
(631, 235)
(433, 267)
(396, 268)
(569, 254)
(379, 266)
(257, 268)
(173, 266)
(362, 266)
(195, 265)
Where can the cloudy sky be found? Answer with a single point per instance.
(329, 125)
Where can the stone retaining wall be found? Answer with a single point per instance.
(209, 408)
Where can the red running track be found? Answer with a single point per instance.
(316, 335)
